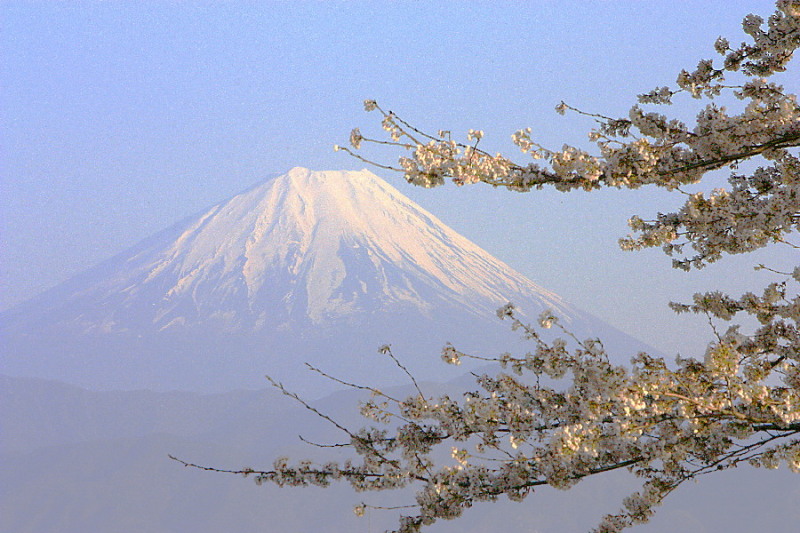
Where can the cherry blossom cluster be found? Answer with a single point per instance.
(649, 148)
(563, 411)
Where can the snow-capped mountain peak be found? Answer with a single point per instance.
(324, 244)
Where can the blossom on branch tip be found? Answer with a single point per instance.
(475, 135)
(356, 138)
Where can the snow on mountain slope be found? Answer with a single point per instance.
(319, 266)
(315, 245)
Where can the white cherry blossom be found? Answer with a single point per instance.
(562, 411)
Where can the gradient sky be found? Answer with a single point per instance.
(119, 118)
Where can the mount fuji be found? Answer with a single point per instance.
(309, 266)
(322, 267)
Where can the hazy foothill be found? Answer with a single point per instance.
(323, 332)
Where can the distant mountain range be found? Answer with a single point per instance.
(78, 461)
(310, 266)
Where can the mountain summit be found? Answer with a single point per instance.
(308, 266)
(311, 246)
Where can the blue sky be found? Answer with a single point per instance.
(119, 118)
